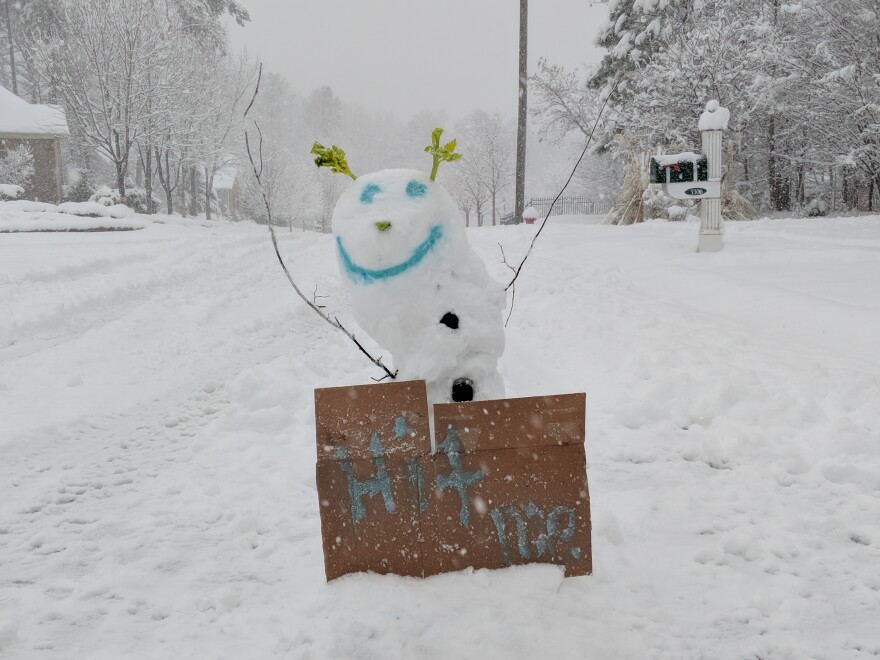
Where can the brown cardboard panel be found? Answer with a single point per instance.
(506, 486)
(521, 506)
(348, 418)
(370, 516)
(507, 423)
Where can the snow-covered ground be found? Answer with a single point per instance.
(157, 495)
(27, 216)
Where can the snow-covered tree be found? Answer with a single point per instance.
(799, 78)
(97, 62)
(17, 166)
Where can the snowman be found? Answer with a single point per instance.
(416, 286)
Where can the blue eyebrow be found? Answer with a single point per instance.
(416, 189)
(370, 190)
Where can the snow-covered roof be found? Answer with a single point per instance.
(19, 116)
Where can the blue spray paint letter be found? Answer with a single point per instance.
(553, 532)
(522, 538)
(550, 532)
(498, 519)
(381, 483)
(401, 428)
(418, 480)
(458, 479)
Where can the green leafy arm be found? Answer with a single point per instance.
(441, 154)
(332, 157)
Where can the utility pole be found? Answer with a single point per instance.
(11, 49)
(522, 115)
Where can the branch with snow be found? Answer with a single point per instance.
(257, 167)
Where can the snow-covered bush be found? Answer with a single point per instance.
(735, 206)
(94, 210)
(81, 187)
(135, 198)
(817, 207)
(9, 192)
(660, 206)
(106, 196)
(17, 166)
(630, 205)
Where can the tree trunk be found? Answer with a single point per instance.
(801, 181)
(833, 189)
(181, 190)
(493, 209)
(871, 195)
(522, 113)
(208, 185)
(165, 180)
(467, 218)
(120, 180)
(779, 189)
(148, 180)
(193, 192)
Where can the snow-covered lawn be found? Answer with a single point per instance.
(157, 495)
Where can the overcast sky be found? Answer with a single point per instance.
(403, 56)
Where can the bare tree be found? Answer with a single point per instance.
(487, 144)
(96, 62)
(222, 120)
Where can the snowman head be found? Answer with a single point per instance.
(392, 222)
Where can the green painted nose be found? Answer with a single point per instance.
(382, 226)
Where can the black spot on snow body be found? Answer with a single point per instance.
(462, 390)
(450, 320)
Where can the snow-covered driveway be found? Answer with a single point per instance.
(157, 463)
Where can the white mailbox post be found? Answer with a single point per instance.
(698, 176)
(713, 123)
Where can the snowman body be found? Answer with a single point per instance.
(417, 287)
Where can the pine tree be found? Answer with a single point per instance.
(636, 31)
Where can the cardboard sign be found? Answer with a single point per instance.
(507, 484)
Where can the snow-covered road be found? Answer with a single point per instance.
(157, 449)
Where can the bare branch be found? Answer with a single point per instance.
(334, 322)
(256, 91)
(513, 286)
(518, 269)
(315, 297)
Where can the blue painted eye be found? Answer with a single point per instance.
(416, 189)
(370, 190)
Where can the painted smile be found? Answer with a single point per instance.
(361, 275)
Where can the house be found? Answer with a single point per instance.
(40, 127)
(228, 190)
